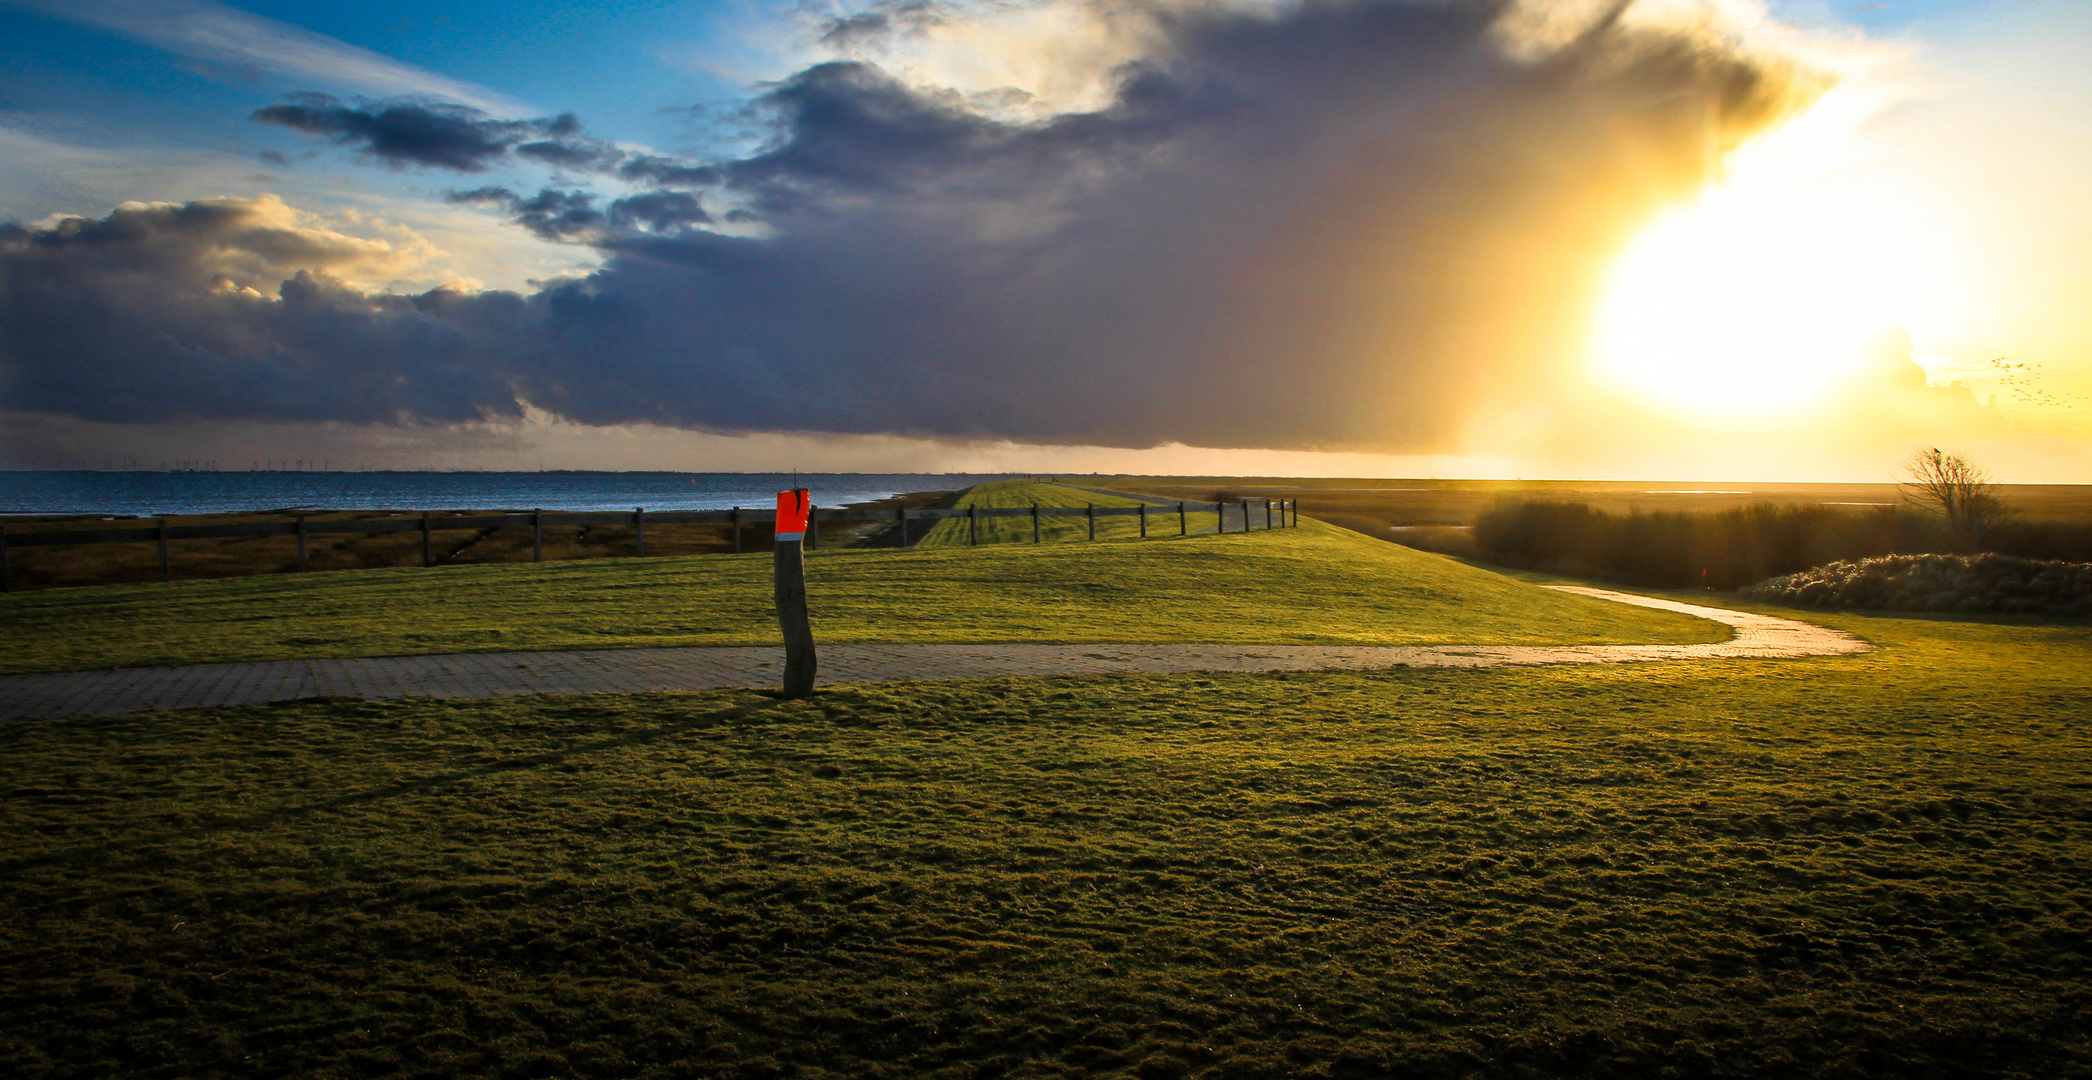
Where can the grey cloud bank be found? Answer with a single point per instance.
(1338, 227)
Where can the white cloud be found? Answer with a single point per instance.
(216, 34)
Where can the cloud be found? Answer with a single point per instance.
(408, 133)
(1342, 224)
(227, 309)
(441, 136)
(239, 43)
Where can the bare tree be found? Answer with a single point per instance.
(1954, 487)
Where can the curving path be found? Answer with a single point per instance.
(595, 671)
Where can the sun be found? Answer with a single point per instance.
(1766, 290)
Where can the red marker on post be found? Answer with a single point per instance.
(792, 619)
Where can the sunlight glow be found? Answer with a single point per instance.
(1766, 291)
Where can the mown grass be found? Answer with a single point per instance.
(1314, 584)
(952, 532)
(1860, 866)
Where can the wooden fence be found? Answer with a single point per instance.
(161, 533)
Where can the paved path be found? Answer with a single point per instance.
(593, 671)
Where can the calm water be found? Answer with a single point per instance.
(150, 493)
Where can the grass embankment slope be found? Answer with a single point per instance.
(952, 532)
(1314, 584)
(1874, 866)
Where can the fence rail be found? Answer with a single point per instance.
(427, 522)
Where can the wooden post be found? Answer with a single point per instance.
(1091, 510)
(902, 513)
(736, 519)
(973, 531)
(161, 533)
(1183, 520)
(427, 559)
(1245, 515)
(1296, 513)
(537, 535)
(301, 543)
(3, 558)
(793, 511)
(813, 528)
(1035, 523)
(1267, 514)
(1220, 516)
(1144, 521)
(639, 530)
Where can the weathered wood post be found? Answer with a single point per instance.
(973, 531)
(1035, 523)
(639, 530)
(1183, 520)
(301, 543)
(1267, 514)
(537, 535)
(793, 510)
(1091, 510)
(1144, 521)
(1245, 515)
(813, 527)
(1220, 516)
(736, 519)
(160, 533)
(427, 560)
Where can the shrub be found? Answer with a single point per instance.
(1733, 548)
(1969, 583)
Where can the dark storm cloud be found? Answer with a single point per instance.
(1341, 226)
(224, 309)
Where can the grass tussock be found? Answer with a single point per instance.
(1858, 867)
(1964, 583)
(1313, 585)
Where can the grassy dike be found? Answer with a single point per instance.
(1871, 866)
(1315, 584)
(951, 532)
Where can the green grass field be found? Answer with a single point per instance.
(1871, 866)
(952, 532)
(1314, 584)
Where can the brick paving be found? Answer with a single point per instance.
(625, 671)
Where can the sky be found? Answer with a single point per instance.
(1637, 239)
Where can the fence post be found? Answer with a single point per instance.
(1183, 520)
(161, 533)
(1296, 513)
(1144, 521)
(301, 543)
(1220, 516)
(973, 532)
(639, 529)
(537, 534)
(1245, 515)
(1035, 523)
(813, 528)
(1091, 510)
(1267, 515)
(736, 519)
(3, 558)
(794, 520)
(427, 560)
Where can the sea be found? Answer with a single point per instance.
(149, 494)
